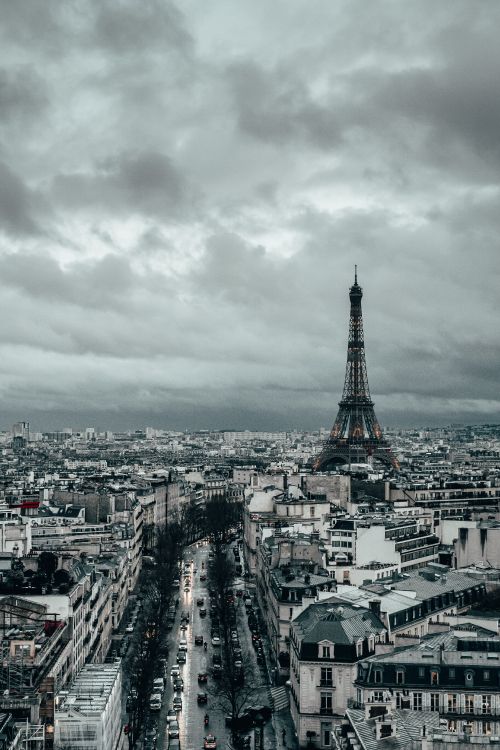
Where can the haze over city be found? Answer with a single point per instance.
(185, 189)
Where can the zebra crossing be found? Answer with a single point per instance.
(279, 697)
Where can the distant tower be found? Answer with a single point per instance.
(356, 434)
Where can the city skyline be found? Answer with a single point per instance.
(184, 192)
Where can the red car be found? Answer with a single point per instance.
(202, 677)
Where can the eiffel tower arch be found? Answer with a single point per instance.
(356, 435)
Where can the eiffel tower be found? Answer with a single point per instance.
(356, 434)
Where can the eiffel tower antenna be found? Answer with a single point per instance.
(356, 434)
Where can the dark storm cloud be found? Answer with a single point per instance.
(146, 183)
(184, 191)
(18, 204)
(275, 106)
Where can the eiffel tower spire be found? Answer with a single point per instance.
(356, 433)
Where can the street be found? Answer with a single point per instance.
(191, 727)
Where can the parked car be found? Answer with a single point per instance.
(173, 730)
(158, 685)
(177, 703)
(215, 640)
(181, 657)
(179, 685)
(175, 670)
(155, 702)
(171, 715)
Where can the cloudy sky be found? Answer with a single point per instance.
(186, 186)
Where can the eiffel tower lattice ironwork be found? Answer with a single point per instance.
(356, 434)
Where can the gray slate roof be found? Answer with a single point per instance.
(408, 728)
(336, 623)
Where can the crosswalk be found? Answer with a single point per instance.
(279, 697)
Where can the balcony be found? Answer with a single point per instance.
(326, 684)
(326, 711)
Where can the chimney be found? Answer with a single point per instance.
(374, 605)
(285, 482)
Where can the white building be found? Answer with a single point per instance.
(88, 716)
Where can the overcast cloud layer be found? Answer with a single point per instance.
(185, 188)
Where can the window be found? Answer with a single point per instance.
(434, 677)
(312, 511)
(486, 704)
(400, 677)
(451, 674)
(486, 675)
(378, 696)
(291, 613)
(325, 652)
(326, 677)
(326, 703)
(452, 725)
(469, 704)
(486, 727)
(434, 701)
(371, 643)
(417, 701)
(421, 671)
(378, 675)
(359, 648)
(452, 702)
(469, 677)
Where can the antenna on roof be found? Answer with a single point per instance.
(355, 274)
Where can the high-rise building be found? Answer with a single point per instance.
(356, 435)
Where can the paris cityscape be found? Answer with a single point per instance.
(249, 366)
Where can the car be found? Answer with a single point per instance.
(181, 657)
(155, 702)
(203, 612)
(183, 645)
(177, 703)
(201, 699)
(176, 583)
(216, 659)
(210, 742)
(151, 733)
(198, 640)
(174, 744)
(200, 601)
(175, 670)
(179, 684)
(149, 744)
(216, 671)
(158, 685)
(173, 730)
(215, 640)
(184, 626)
(184, 616)
(203, 577)
(171, 715)
(202, 677)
